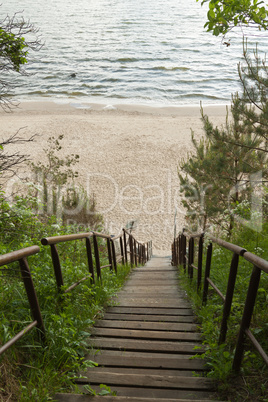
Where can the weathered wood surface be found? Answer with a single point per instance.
(144, 346)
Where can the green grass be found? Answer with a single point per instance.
(251, 383)
(31, 370)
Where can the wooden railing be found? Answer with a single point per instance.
(21, 256)
(129, 250)
(184, 254)
(129, 247)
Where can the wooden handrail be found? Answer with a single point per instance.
(180, 256)
(111, 253)
(18, 254)
(21, 256)
(47, 241)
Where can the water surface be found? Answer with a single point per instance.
(125, 51)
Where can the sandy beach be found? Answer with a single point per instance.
(129, 156)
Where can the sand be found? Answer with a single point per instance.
(129, 156)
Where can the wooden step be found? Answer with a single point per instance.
(148, 345)
(153, 394)
(88, 398)
(148, 325)
(103, 376)
(147, 360)
(145, 347)
(150, 318)
(150, 310)
(144, 334)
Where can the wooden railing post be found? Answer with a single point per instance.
(184, 250)
(114, 256)
(97, 256)
(56, 266)
(131, 250)
(110, 259)
(207, 273)
(258, 265)
(90, 259)
(247, 314)
(32, 297)
(144, 253)
(200, 261)
(125, 245)
(190, 257)
(174, 259)
(135, 252)
(229, 297)
(122, 250)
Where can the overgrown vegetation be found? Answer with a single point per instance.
(251, 383)
(228, 167)
(31, 370)
(224, 184)
(224, 15)
(17, 38)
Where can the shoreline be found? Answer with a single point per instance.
(64, 104)
(129, 157)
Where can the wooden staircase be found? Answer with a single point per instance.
(144, 345)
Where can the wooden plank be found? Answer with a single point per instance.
(128, 288)
(146, 360)
(150, 303)
(154, 277)
(152, 282)
(98, 376)
(151, 318)
(149, 346)
(150, 310)
(141, 353)
(144, 334)
(152, 393)
(159, 326)
(149, 292)
(155, 293)
(139, 370)
(97, 398)
(144, 346)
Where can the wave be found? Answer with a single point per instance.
(163, 68)
(127, 60)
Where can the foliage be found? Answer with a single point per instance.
(17, 38)
(31, 370)
(248, 386)
(216, 177)
(223, 15)
(229, 165)
(252, 105)
(55, 187)
(10, 161)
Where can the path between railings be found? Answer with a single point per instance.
(145, 343)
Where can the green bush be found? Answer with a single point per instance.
(31, 370)
(219, 357)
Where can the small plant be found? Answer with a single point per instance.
(219, 358)
(56, 191)
(105, 390)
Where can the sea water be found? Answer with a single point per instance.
(127, 51)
